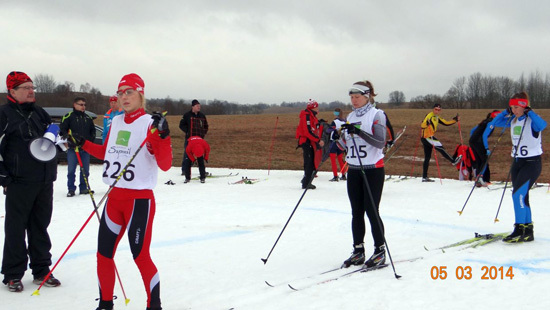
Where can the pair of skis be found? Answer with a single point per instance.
(315, 281)
(476, 241)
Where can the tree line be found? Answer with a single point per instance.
(476, 91)
(479, 91)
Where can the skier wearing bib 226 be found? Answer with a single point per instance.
(430, 142)
(364, 136)
(525, 127)
(131, 203)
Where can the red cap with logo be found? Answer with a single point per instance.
(312, 104)
(16, 78)
(133, 81)
(113, 99)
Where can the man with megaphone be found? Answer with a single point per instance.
(79, 124)
(28, 185)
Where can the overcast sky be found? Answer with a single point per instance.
(251, 51)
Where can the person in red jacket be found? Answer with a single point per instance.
(198, 149)
(308, 134)
(131, 204)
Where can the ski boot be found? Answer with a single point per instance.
(517, 235)
(335, 179)
(457, 160)
(357, 257)
(528, 234)
(377, 258)
(427, 180)
(105, 305)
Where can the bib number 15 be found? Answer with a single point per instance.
(128, 174)
(353, 154)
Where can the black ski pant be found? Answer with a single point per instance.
(309, 163)
(361, 203)
(428, 148)
(28, 211)
(481, 158)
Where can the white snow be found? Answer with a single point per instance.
(209, 238)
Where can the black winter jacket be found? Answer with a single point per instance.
(194, 124)
(78, 122)
(19, 125)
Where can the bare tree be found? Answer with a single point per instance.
(44, 83)
(396, 98)
(85, 88)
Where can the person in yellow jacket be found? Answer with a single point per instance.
(430, 142)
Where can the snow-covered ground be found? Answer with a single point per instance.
(209, 238)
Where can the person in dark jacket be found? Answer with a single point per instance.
(82, 125)
(193, 123)
(476, 143)
(27, 184)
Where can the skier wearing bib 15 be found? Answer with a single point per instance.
(364, 136)
(525, 127)
(131, 203)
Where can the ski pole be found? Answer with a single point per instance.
(395, 149)
(123, 171)
(510, 171)
(271, 147)
(96, 210)
(37, 291)
(296, 207)
(480, 174)
(366, 183)
(460, 132)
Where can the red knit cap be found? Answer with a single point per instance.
(312, 104)
(113, 99)
(133, 81)
(16, 78)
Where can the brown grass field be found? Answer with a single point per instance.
(246, 142)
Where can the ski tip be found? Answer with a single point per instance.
(425, 248)
(269, 284)
(292, 287)
(35, 293)
(127, 301)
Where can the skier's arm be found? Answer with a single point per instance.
(537, 123)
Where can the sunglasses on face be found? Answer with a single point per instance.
(126, 92)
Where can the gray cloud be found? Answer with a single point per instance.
(270, 51)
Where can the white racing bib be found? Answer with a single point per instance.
(529, 146)
(361, 150)
(124, 140)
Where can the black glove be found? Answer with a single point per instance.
(335, 135)
(351, 129)
(161, 124)
(456, 118)
(527, 110)
(390, 143)
(75, 140)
